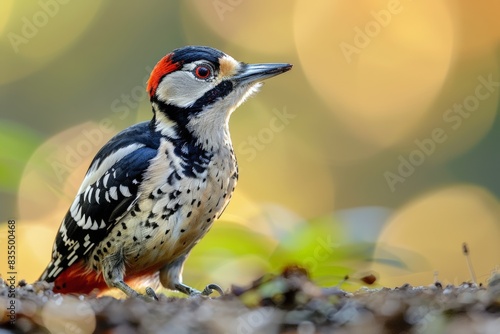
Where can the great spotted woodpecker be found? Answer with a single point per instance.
(154, 190)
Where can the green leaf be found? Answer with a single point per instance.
(18, 143)
(227, 241)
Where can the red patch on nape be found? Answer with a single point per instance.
(76, 279)
(162, 68)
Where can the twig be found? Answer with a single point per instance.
(465, 250)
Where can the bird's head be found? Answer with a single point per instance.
(194, 90)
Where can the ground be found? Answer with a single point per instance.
(285, 303)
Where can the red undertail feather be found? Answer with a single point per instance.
(76, 279)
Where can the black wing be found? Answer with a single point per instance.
(108, 192)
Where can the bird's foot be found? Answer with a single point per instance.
(193, 292)
(211, 288)
(149, 296)
(150, 293)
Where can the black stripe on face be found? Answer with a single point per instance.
(181, 116)
(218, 92)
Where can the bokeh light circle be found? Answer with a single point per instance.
(56, 170)
(267, 155)
(380, 67)
(435, 225)
(243, 23)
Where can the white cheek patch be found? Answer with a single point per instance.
(182, 89)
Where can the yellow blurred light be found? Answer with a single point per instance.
(264, 218)
(435, 226)
(270, 154)
(378, 64)
(243, 210)
(33, 243)
(262, 26)
(5, 12)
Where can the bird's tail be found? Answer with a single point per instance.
(74, 279)
(77, 278)
(45, 275)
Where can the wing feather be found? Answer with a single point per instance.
(108, 192)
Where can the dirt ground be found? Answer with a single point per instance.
(286, 303)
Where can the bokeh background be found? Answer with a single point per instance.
(378, 153)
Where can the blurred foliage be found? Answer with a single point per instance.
(17, 142)
(318, 245)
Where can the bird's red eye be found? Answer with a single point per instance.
(202, 72)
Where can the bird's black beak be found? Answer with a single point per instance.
(250, 73)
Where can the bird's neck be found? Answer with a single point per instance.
(210, 135)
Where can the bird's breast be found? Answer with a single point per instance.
(178, 205)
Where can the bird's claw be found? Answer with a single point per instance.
(211, 288)
(151, 293)
(193, 292)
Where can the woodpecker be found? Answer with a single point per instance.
(155, 189)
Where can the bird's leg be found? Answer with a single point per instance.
(113, 269)
(186, 289)
(171, 278)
